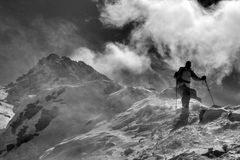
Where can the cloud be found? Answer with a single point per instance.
(116, 57)
(210, 38)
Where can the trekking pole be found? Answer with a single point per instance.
(209, 92)
(176, 97)
(176, 94)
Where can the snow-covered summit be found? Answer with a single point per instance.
(51, 71)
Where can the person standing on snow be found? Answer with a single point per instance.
(183, 80)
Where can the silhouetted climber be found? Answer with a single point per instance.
(183, 80)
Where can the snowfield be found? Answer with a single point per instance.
(152, 129)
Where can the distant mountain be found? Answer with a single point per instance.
(57, 99)
(51, 71)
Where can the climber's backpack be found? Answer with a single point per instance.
(178, 74)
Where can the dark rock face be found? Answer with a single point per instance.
(55, 95)
(46, 117)
(25, 138)
(187, 156)
(213, 153)
(30, 111)
(22, 136)
(210, 115)
(128, 151)
(10, 147)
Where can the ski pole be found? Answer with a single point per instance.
(209, 92)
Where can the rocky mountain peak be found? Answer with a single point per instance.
(51, 57)
(54, 58)
(64, 67)
(56, 68)
(51, 71)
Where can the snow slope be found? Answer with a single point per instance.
(154, 129)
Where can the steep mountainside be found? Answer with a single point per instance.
(154, 129)
(49, 72)
(58, 99)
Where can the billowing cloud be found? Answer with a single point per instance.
(116, 57)
(210, 38)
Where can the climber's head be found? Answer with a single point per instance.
(188, 64)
